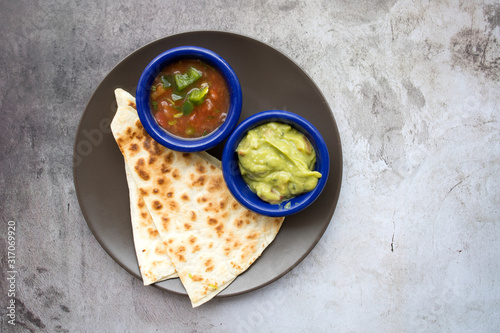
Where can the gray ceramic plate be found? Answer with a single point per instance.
(269, 80)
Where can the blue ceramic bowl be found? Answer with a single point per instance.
(164, 137)
(240, 189)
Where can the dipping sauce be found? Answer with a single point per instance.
(277, 162)
(189, 99)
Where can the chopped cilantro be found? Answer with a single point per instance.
(165, 82)
(187, 108)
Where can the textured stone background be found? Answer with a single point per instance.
(414, 243)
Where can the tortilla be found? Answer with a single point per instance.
(154, 263)
(210, 237)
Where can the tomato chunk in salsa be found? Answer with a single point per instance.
(189, 98)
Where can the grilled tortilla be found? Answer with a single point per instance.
(210, 237)
(154, 263)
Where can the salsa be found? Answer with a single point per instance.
(189, 98)
(277, 162)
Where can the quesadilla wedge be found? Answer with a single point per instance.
(210, 237)
(154, 263)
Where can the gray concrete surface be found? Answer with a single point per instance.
(414, 243)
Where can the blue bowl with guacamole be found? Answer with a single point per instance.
(275, 163)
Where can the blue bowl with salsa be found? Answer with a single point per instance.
(233, 173)
(189, 99)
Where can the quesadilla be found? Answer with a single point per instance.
(210, 237)
(154, 263)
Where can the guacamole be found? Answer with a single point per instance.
(277, 162)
